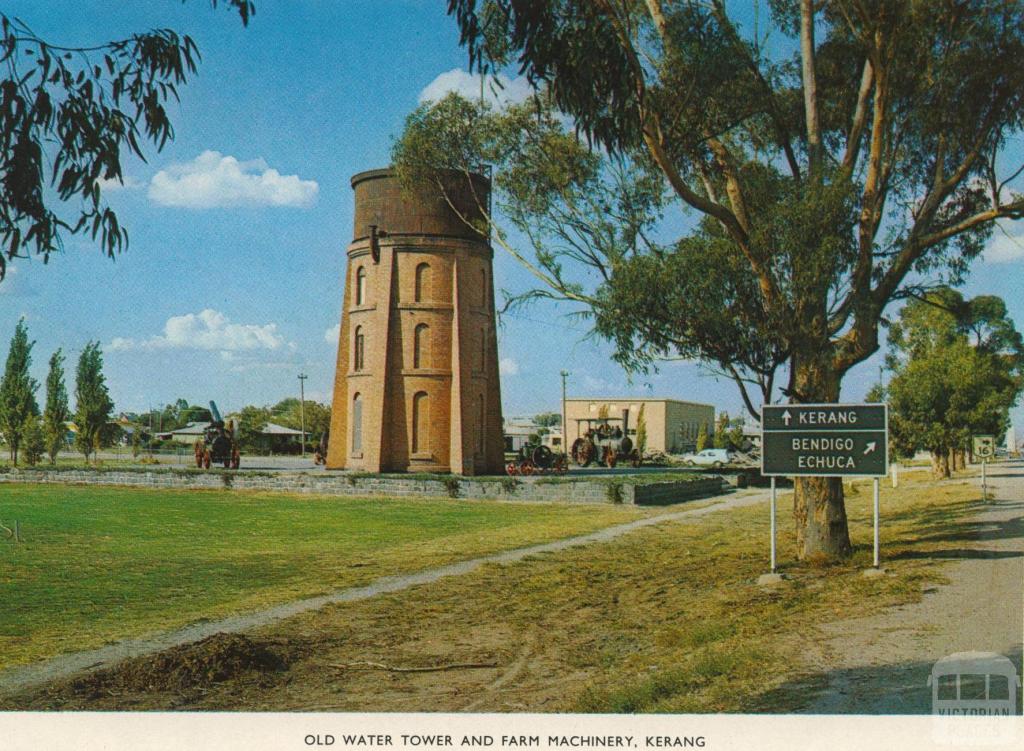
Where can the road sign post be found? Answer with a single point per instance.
(983, 447)
(876, 559)
(825, 440)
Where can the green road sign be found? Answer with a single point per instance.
(825, 440)
(984, 446)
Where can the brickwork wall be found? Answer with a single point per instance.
(435, 407)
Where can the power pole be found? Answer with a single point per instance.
(302, 409)
(565, 424)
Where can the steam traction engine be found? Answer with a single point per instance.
(217, 445)
(537, 459)
(605, 441)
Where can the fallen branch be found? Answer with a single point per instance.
(429, 669)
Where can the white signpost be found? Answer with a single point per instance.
(983, 447)
(825, 440)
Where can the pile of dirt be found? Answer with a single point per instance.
(215, 659)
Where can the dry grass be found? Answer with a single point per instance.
(667, 619)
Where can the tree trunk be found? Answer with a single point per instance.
(940, 464)
(818, 508)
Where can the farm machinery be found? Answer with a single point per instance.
(605, 441)
(537, 459)
(217, 445)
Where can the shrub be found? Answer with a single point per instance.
(614, 491)
(34, 441)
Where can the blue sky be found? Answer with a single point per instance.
(230, 294)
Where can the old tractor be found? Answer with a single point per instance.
(217, 445)
(537, 459)
(605, 441)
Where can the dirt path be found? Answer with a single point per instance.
(881, 664)
(17, 679)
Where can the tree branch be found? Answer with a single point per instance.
(810, 86)
(1013, 210)
(859, 121)
(733, 188)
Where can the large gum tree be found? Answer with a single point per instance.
(845, 154)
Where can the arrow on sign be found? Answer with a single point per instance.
(786, 417)
(870, 447)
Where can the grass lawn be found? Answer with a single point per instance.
(666, 619)
(103, 563)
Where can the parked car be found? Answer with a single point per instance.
(709, 458)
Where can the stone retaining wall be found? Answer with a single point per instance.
(604, 490)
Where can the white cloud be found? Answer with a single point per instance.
(332, 334)
(508, 366)
(1007, 243)
(214, 180)
(207, 330)
(467, 85)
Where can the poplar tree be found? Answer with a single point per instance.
(702, 437)
(641, 431)
(17, 391)
(720, 439)
(57, 411)
(93, 405)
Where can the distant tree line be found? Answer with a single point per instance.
(171, 416)
(957, 369)
(289, 414)
(250, 421)
(728, 434)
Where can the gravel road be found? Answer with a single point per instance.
(881, 664)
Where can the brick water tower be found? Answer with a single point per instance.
(416, 386)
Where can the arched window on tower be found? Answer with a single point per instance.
(358, 350)
(361, 285)
(420, 422)
(483, 288)
(357, 423)
(421, 346)
(423, 291)
(483, 350)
